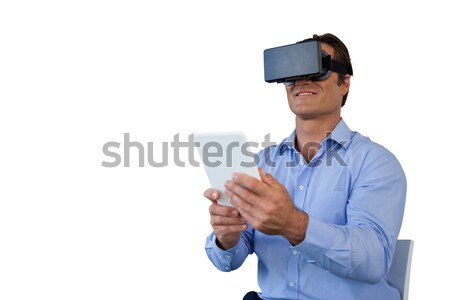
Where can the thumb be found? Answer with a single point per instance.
(212, 194)
(267, 178)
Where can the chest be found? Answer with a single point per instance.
(320, 190)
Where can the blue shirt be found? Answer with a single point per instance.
(354, 193)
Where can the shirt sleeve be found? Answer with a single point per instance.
(233, 258)
(363, 248)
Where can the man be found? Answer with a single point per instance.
(325, 217)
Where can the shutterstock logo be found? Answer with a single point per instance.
(120, 154)
(212, 150)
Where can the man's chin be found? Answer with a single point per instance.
(306, 116)
(304, 113)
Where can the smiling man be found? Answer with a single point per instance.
(322, 229)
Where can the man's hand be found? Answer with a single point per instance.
(267, 206)
(226, 221)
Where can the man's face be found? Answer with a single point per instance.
(312, 99)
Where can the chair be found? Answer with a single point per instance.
(401, 266)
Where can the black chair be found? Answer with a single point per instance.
(251, 296)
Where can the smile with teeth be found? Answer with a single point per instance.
(304, 94)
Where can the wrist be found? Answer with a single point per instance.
(225, 244)
(296, 230)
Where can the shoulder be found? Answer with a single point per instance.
(362, 147)
(366, 156)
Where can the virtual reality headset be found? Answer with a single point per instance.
(300, 61)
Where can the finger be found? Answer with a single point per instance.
(224, 211)
(212, 194)
(229, 229)
(246, 215)
(241, 191)
(227, 221)
(245, 209)
(261, 173)
(249, 182)
(268, 179)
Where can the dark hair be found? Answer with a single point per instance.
(340, 54)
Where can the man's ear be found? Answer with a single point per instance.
(345, 86)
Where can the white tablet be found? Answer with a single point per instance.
(222, 154)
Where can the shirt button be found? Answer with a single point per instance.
(294, 252)
(301, 186)
(228, 256)
(291, 284)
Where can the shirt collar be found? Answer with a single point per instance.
(287, 143)
(341, 134)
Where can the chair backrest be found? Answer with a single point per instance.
(401, 266)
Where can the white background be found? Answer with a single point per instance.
(77, 74)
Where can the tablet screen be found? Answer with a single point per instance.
(223, 154)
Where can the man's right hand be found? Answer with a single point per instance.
(226, 221)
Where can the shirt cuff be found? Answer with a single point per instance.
(229, 259)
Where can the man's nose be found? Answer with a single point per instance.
(303, 81)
